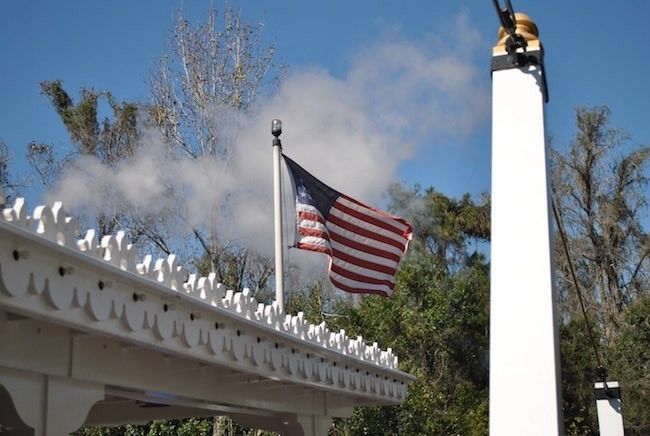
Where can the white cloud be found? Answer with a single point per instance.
(352, 132)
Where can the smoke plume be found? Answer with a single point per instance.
(353, 132)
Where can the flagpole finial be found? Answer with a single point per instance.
(276, 127)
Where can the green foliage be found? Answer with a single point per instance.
(579, 372)
(629, 362)
(184, 427)
(442, 225)
(437, 324)
(109, 139)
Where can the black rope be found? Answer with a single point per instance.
(508, 21)
(506, 15)
(560, 227)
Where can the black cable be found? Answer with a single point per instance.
(560, 227)
(508, 21)
(506, 16)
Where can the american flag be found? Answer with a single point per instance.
(364, 244)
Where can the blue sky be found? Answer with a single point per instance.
(594, 55)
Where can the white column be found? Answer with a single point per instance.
(314, 425)
(608, 404)
(524, 356)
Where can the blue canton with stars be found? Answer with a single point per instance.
(310, 190)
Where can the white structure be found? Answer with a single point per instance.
(524, 356)
(608, 404)
(88, 336)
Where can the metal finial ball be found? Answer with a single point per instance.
(276, 127)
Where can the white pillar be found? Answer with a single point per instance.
(608, 404)
(524, 355)
(314, 425)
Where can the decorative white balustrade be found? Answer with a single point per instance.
(208, 319)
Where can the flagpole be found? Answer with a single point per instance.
(276, 131)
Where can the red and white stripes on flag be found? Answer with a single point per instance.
(365, 245)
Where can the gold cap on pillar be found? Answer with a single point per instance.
(526, 27)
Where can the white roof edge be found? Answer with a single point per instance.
(114, 254)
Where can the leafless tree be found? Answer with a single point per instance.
(210, 73)
(8, 186)
(600, 190)
(209, 77)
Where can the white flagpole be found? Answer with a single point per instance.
(276, 130)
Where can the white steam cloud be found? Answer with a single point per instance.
(352, 132)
